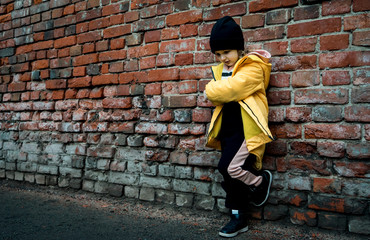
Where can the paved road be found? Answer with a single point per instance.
(35, 212)
(29, 217)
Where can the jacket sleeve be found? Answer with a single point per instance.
(248, 80)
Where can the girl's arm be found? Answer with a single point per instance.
(248, 80)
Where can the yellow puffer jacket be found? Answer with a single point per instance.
(247, 86)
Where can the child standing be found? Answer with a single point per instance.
(239, 125)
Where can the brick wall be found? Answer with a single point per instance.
(106, 96)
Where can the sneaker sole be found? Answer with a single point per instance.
(268, 191)
(230, 235)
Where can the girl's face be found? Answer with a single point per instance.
(228, 57)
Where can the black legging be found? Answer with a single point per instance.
(237, 192)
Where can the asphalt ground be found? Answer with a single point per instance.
(37, 212)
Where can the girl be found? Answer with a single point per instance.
(239, 123)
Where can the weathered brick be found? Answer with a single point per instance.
(256, 6)
(184, 18)
(343, 59)
(316, 27)
(351, 169)
(321, 96)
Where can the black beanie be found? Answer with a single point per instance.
(226, 35)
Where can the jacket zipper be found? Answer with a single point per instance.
(261, 126)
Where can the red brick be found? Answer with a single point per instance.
(334, 42)
(56, 84)
(58, 95)
(70, 93)
(291, 63)
(336, 7)
(40, 64)
(263, 34)
(262, 5)
(357, 113)
(131, 16)
(96, 93)
(331, 149)
(361, 5)
(43, 45)
(326, 185)
(153, 89)
(332, 78)
(279, 97)
(305, 78)
(85, 59)
(188, 86)
(201, 115)
(16, 87)
(298, 114)
(112, 55)
(125, 78)
(306, 12)
(204, 57)
(184, 18)
(116, 19)
(64, 42)
(79, 82)
(79, 71)
(361, 38)
(276, 115)
(279, 80)
(105, 79)
(178, 46)
(316, 27)
(83, 93)
(195, 73)
(356, 22)
(286, 130)
(89, 37)
(312, 166)
(303, 148)
(344, 59)
(165, 60)
(303, 45)
(170, 33)
(184, 59)
(228, 10)
(351, 169)
(126, 127)
(321, 96)
(276, 48)
(367, 132)
(147, 50)
(332, 131)
(98, 24)
(117, 102)
(111, 9)
(188, 30)
(117, 31)
(147, 62)
(301, 216)
(163, 75)
(118, 43)
(253, 21)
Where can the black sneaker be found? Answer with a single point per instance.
(261, 193)
(237, 224)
